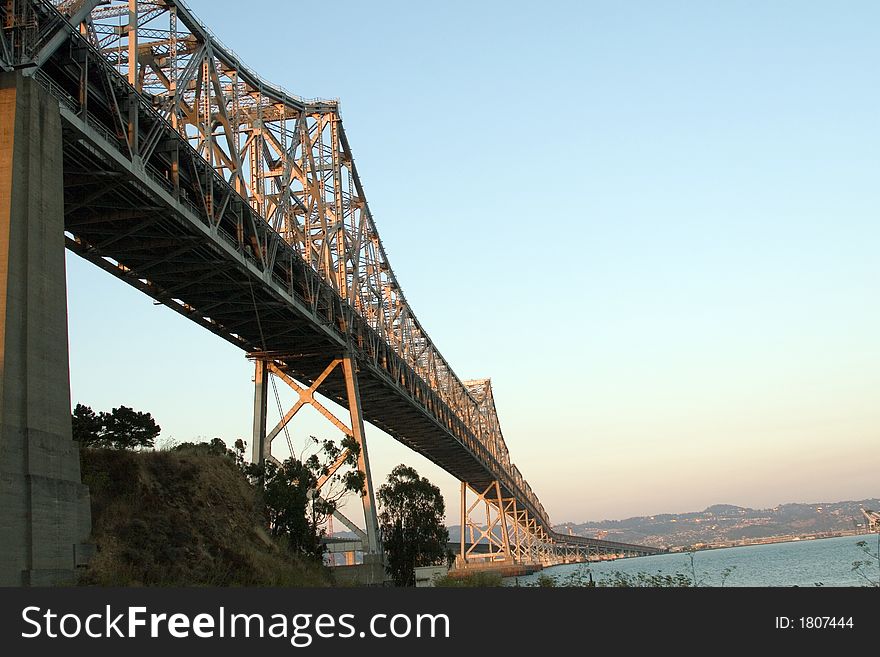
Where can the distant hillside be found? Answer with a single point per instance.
(725, 524)
(181, 519)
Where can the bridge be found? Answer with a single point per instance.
(136, 139)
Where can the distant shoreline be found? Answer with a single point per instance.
(699, 547)
(727, 525)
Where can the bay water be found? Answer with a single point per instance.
(818, 562)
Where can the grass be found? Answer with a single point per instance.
(479, 579)
(181, 518)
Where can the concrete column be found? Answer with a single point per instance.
(45, 518)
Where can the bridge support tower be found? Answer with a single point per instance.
(45, 518)
(497, 532)
(271, 364)
(504, 529)
(482, 527)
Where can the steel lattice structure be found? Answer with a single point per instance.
(239, 205)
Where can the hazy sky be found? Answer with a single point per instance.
(653, 224)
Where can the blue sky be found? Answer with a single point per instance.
(654, 225)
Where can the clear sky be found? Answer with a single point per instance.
(655, 225)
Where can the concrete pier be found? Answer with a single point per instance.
(45, 518)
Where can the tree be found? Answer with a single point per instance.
(864, 567)
(413, 533)
(127, 428)
(295, 508)
(121, 428)
(87, 426)
(217, 447)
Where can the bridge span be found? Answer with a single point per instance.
(238, 205)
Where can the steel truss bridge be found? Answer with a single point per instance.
(238, 205)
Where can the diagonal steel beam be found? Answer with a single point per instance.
(338, 463)
(350, 525)
(76, 17)
(5, 52)
(306, 396)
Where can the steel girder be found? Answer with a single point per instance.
(291, 160)
(238, 205)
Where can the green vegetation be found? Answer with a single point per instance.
(869, 568)
(583, 577)
(478, 579)
(121, 428)
(187, 517)
(293, 510)
(413, 533)
(198, 513)
(286, 491)
(619, 580)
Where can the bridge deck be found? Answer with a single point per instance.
(164, 208)
(127, 220)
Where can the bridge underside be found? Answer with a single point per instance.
(131, 221)
(151, 196)
(147, 224)
(494, 530)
